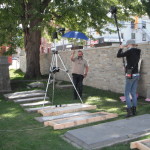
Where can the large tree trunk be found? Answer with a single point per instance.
(32, 46)
(32, 35)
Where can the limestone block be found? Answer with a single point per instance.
(36, 85)
(36, 103)
(7, 96)
(26, 100)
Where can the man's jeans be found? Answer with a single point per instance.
(130, 88)
(78, 82)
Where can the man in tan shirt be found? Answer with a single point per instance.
(79, 71)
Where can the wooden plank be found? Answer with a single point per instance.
(68, 109)
(141, 145)
(79, 120)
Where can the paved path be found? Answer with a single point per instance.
(107, 134)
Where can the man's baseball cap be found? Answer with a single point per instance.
(130, 42)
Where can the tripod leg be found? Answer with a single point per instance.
(70, 79)
(53, 89)
(49, 78)
(48, 82)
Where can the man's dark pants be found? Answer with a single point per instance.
(78, 82)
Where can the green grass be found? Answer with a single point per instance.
(16, 74)
(19, 130)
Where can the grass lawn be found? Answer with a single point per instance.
(19, 130)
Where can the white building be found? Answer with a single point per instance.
(139, 30)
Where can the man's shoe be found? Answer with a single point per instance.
(134, 110)
(129, 112)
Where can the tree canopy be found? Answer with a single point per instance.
(27, 19)
(146, 4)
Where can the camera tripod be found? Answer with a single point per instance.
(53, 70)
(113, 11)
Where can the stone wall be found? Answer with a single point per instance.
(105, 69)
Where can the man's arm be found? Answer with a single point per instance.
(72, 56)
(121, 53)
(86, 71)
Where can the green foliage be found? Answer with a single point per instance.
(9, 23)
(23, 21)
(146, 4)
(71, 14)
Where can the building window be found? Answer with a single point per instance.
(144, 37)
(132, 35)
(143, 24)
(132, 24)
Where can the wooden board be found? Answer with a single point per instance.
(141, 145)
(68, 109)
(79, 120)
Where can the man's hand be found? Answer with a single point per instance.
(73, 52)
(72, 56)
(121, 46)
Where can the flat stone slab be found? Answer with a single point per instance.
(110, 133)
(64, 86)
(48, 107)
(59, 85)
(34, 99)
(141, 145)
(67, 109)
(35, 103)
(79, 120)
(48, 118)
(25, 94)
(36, 85)
(36, 108)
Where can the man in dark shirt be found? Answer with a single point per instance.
(132, 58)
